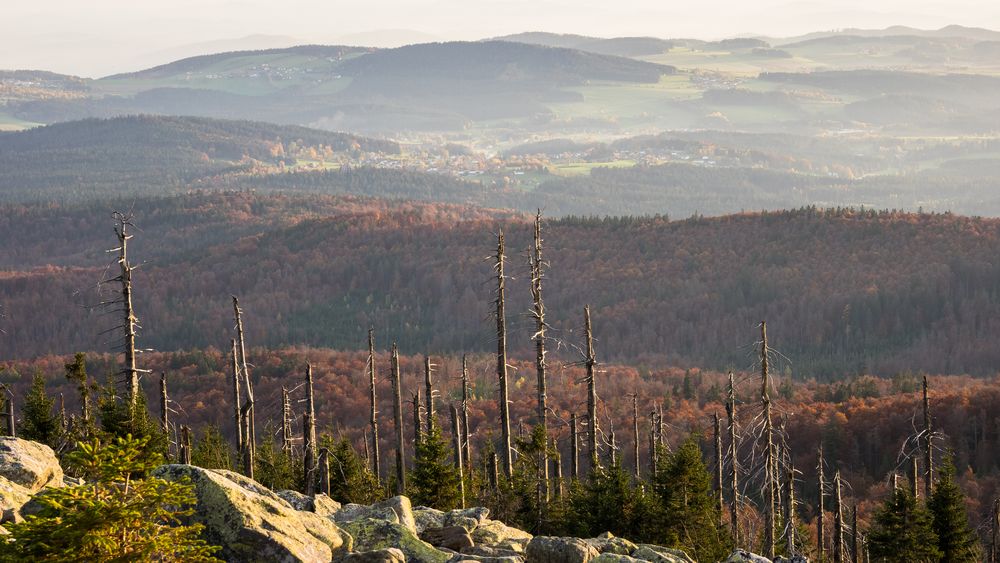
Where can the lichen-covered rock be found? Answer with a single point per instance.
(486, 552)
(455, 538)
(319, 504)
(614, 558)
(252, 523)
(659, 554)
(495, 533)
(550, 549)
(478, 513)
(793, 559)
(388, 555)
(425, 517)
(466, 558)
(469, 524)
(29, 464)
(12, 498)
(396, 510)
(372, 534)
(608, 543)
(743, 556)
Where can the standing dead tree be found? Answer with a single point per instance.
(591, 362)
(185, 447)
(311, 411)
(928, 445)
(324, 471)
(635, 434)
(770, 457)
(733, 461)
(129, 321)
(456, 438)
(508, 460)
(838, 521)
(286, 423)
(538, 312)
(373, 400)
(164, 416)
(466, 443)
(820, 508)
(8, 411)
(429, 386)
(247, 414)
(717, 428)
(557, 485)
(574, 449)
(309, 459)
(653, 452)
(418, 419)
(237, 401)
(790, 511)
(397, 417)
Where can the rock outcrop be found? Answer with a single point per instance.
(252, 523)
(549, 549)
(26, 467)
(372, 534)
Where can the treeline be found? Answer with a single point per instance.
(848, 292)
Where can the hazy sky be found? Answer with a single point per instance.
(97, 37)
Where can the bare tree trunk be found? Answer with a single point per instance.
(308, 455)
(820, 509)
(429, 398)
(717, 427)
(368, 453)
(574, 449)
(734, 462)
(790, 550)
(508, 459)
(324, 471)
(591, 362)
(855, 556)
(311, 409)
(129, 322)
(614, 448)
(249, 416)
(466, 442)
(838, 521)
(63, 419)
(456, 438)
(914, 478)
(397, 416)
(494, 471)
(928, 445)
(653, 453)
(185, 446)
(557, 489)
(164, 416)
(286, 423)
(540, 365)
(237, 401)
(9, 411)
(373, 419)
(770, 457)
(635, 435)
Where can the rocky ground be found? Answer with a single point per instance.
(252, 523)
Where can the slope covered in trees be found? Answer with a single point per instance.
(844, 291)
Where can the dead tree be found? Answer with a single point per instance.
(63, 419)
(247, 412)
(574, 449)
(456, 438)
(591, 362)
(494, 471)
(717, 428)
(838, 521)
(914, 478)
(429, 386)
(397, 417)
(614, 448)
(820, 509)
(855, 555)
(324, 471)
(653, 452)
(286, 423)
(501, 318)
(928, 445)
(164, 416)
(418, 419)
(556, 461)
(185, 448)
(308, 457)
(538, 312)
(373, 399)
(466, 442)
(770, 459)
(8, 413)
(237, 401)
(733, 461)
(129, 321)
(311, 410)
(790, 511)
(635, 434)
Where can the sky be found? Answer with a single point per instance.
(99, 37)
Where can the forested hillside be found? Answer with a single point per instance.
(845, 291)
